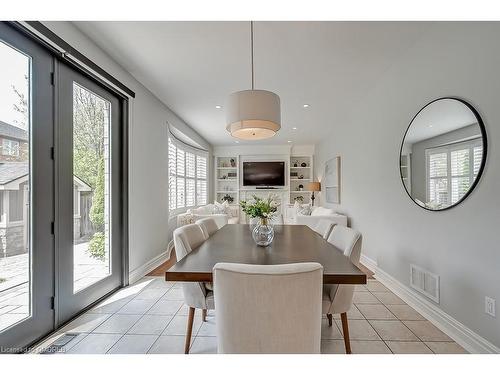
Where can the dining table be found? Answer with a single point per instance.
(233, 243)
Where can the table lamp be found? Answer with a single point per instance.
(314, 186)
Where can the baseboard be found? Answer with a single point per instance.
(461, 334)
(146, 268)
(368, 263)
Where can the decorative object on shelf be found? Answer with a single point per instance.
(314, 186)
(299, 199)
(264, 210)
(294, 174)
(224, 177)
(304, 164)
(301, 177)
(300, 187)
(331, 180)
(228, 198)
(233, 163)
(296, 164)
(253, 114)
(231, 174)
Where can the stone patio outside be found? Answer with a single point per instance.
(15, 293)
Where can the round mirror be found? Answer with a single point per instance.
(443, 154)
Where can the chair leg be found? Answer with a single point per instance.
(189, 330)
(329, 316)
(204, 315)
(345, 329)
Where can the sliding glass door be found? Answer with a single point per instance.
(89, 158)
(61, 191)
(26, 190)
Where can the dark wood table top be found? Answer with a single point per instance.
(292, 244)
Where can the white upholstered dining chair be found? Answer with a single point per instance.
(323, 227)
(220, 220)
(337, 299)
(196, 295)
(208, 226)
(268, 308)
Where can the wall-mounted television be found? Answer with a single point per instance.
(264, 173)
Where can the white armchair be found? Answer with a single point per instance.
(268, 308)
(337, 299)
(196, 295)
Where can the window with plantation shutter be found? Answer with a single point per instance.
(478, 157)
(172, 182)
(187, 176)
(451, 170)
(201, 174)
(438, 178)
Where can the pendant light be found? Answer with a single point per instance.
(253, 114)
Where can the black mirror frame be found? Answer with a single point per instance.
(483, 161)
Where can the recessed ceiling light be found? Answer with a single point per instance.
(430, 126)
(236, 141)
(294, 128)
(218, 106)
(289, 141)
(305, 105)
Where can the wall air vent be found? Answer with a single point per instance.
(424, 282)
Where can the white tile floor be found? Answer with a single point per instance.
(150, 317)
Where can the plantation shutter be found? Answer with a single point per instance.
(172, 170)
(190, 179)
(188, 171)
(201, 175)
(451, 170)
(478, 157)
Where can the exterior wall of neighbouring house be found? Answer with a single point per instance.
(82, 202)
(23, 151)
(86, 227)
(12, 240)
(14, 220)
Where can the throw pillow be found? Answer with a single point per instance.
(218, 209)
(305, 209)
(322, 211)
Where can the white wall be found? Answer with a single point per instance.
(461, 244)
(148, 183)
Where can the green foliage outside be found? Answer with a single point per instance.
(88, 135)
(88, 159)
(96, 246)
(97, 209)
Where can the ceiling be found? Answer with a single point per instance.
(440, 117)
(193, 66)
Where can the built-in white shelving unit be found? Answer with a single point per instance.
(226, 179)
(228, 162)
(300, 175)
